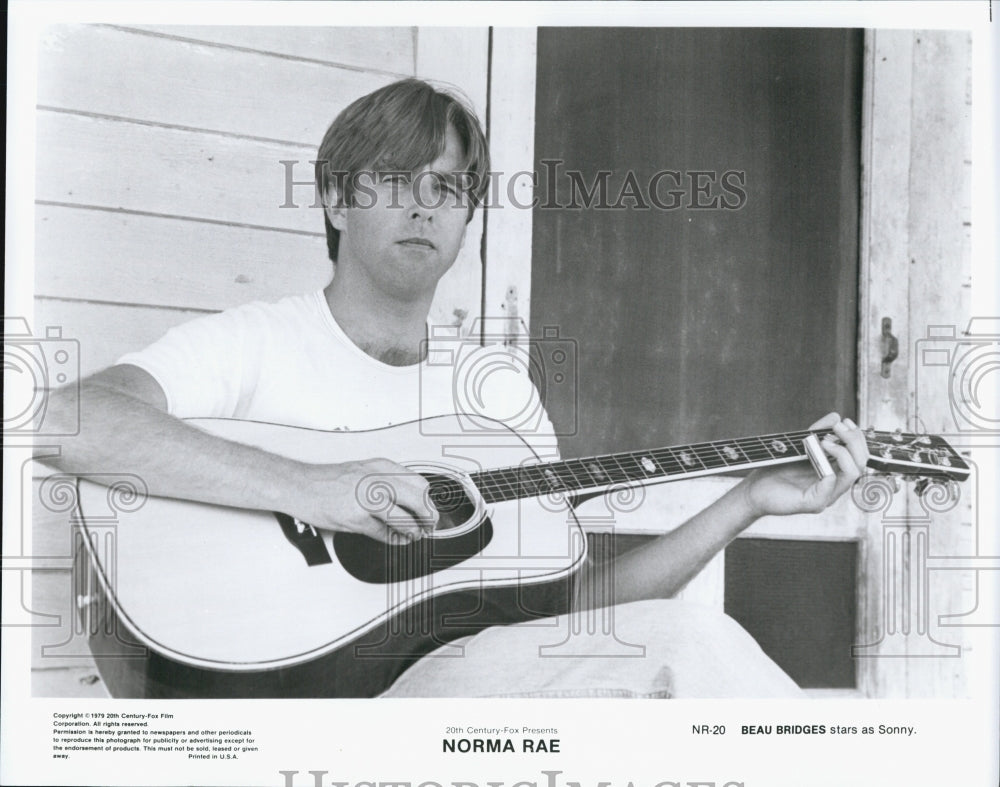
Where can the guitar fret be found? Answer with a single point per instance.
(795, 444)
(620, 473)
(755, 450)
(577, 483)
(497, 479)
(507, 480)
(492, 486)
(556, 474)
(765, 450)
(513, 484)
(581, 471)
(774, 448)
(650, 466)
(668, 461)
(621, 468)
(690, 460)
(598, 474)
(531, 481)
(640, 466)
(732, 454)
(722, 457)
(528, 480)
(708, 456)
(628, 466)
(647, 466)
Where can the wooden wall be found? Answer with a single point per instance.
(159, 193)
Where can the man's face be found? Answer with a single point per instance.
(404, 233)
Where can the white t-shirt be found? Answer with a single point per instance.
(290, 363)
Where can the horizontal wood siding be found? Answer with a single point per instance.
(207, 266)
(88, 161)
(373, 49)
(149, 77)
(109, 330)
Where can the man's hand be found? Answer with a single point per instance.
(662, 567)
(795, 489)
(375, 497)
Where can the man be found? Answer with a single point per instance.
(401, 171)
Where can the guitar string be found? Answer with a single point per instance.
(532, 479)
(666, 463)
(508, 483)
(560, 477)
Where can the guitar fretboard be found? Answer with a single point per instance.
(632, 467)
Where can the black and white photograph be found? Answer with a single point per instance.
(504, 388)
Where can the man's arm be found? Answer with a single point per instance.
(125, 427)
(661, 568)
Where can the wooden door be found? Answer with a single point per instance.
(722, 300)
(696, 241)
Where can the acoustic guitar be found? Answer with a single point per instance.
(184, 599)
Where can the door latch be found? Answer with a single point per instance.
(890, 346)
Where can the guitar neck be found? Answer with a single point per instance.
(896, 452)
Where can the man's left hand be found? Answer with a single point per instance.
(795, 489)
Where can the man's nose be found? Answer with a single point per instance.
(424, 196)
(418, 209)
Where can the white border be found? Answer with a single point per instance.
(645, 743)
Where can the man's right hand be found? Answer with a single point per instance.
(374, 497)
(123, 407)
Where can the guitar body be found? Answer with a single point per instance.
(182, 599)
(227, 602)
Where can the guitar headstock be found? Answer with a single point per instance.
(916, 455)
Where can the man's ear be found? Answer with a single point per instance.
(336, 213)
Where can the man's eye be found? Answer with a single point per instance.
(396, 178)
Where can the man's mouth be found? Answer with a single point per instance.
(420, 242)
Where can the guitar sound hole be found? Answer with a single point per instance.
(461, 535)
(451, 501)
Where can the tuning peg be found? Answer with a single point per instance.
(870, 432)
(897, 435)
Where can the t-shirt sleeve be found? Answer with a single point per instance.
(202, 365)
